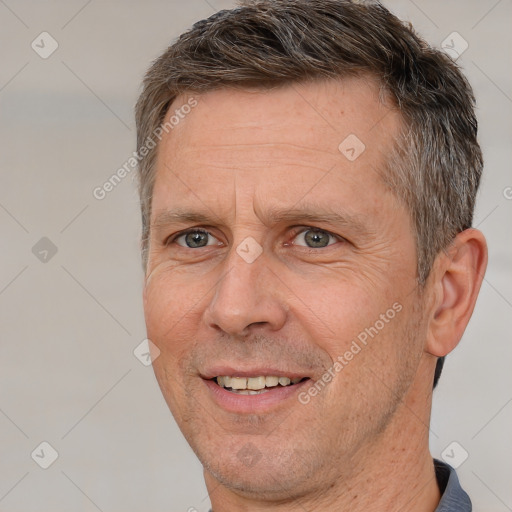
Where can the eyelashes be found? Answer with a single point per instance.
(308, 236)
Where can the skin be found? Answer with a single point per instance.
(362, 442)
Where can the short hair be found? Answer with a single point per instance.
(435, 164)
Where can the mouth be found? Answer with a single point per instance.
(255, 385)
(254, 391)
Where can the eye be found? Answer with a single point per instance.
(195, 238)
(315, 238)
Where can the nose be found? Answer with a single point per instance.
(246, 297)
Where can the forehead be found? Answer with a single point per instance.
(280, 140)
(315, 113)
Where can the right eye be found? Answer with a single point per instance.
(195, 238)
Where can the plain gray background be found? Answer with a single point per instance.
(70, 323)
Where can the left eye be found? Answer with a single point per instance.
(196, 238)
(315, 238)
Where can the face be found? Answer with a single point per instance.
(281, 283)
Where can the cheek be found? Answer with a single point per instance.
(367, 333)
(342, 309)
(169, 310)
(171, 303)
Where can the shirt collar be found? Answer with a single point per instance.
(453, 497)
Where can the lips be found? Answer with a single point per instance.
(252, 389)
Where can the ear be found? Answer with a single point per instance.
(457, 277)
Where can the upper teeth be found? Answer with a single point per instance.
(254, 383)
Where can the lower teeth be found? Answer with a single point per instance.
(247, 391)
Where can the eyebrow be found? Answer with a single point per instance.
(317, 215)
(272, 217)
(180, 216)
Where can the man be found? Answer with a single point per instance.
(308, 177)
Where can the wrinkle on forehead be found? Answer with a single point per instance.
(240, 157)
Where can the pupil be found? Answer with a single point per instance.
(316, 239)
(196, 239)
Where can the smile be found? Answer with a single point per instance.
(253, 391)
(254, 385)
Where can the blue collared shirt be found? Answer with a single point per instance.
(453, 496)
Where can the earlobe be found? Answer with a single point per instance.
(458, 275)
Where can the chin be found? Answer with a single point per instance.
(258, 470)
